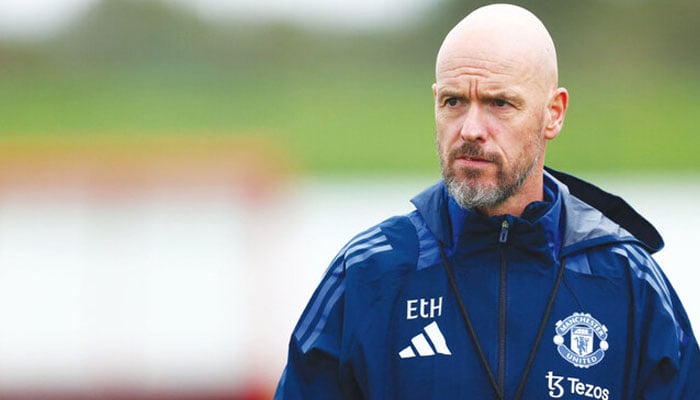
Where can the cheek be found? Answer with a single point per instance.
(523, 133)
(441, 135)
(440, 127)
(447, 132)
(440, 145)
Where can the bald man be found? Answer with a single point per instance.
(509, 280)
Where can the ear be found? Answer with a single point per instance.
(434, 91)
(556, 110)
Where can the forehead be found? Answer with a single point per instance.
(488, 73)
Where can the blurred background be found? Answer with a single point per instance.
(176, 175)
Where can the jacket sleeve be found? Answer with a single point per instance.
(670, 358)
(313, 369)
(325, 360)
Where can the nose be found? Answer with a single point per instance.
(474, 124)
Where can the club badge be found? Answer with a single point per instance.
(584, 332)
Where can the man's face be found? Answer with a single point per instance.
(490, 119)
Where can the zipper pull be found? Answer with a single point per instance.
(504, 231)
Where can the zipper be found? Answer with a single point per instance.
(499, 389)
(503, 239)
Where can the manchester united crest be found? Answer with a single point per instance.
(587, 340)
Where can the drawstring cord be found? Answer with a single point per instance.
(470, 328)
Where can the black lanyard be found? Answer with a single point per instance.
(470, 328)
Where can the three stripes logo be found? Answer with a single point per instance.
(427, 343)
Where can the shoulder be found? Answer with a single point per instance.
(611, 260)
(391, 244)
(644, 270)
(632, 263)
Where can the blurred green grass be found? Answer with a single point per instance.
(352, 121)
(350, 103)
(635, 123)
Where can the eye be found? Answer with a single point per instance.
(452, 102)
(500, 103)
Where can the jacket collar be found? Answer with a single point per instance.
(432, 204)
(447, 220)
(600, 217)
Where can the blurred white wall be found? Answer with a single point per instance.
(202, 289)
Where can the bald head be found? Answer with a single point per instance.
(496, 105)
(503, 34)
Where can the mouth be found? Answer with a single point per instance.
(473, 161)
(472, 158)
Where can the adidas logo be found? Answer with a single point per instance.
(426, 344)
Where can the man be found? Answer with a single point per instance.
(509, 280)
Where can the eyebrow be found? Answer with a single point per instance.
(507, 95)
(445, 93)
(485, 95)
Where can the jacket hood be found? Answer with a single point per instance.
(601, 217)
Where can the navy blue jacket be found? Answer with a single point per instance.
(385, 321)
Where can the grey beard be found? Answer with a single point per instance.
(469, 195)
(475, 196)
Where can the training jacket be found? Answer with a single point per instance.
(385, 321)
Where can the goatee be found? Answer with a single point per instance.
(465, 187)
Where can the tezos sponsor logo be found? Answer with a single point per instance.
(582, 329)
(558, 386)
